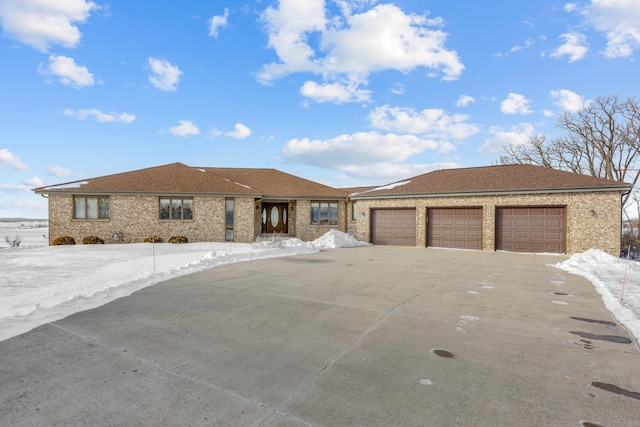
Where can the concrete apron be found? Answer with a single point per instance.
(373, 336)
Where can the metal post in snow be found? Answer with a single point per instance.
(624, 281)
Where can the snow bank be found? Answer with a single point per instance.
(336, 239)
(608, 274)
(47, 283)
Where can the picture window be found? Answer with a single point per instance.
(176, 208)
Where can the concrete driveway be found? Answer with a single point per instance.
(372, 336)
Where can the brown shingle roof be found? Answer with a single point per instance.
(493, 179)
(177, 178)
(174, 178)
(273, 183)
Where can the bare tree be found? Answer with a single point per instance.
(602, 139)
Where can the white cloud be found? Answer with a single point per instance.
(515, 104)
(388, 172)
(570, 7)
(527, 44)
(100, 116)
(433, 123)
(58, 171)
(619, 20)
(356, 150)
(240, 132)
(567, 100)
(365, 155)
(465, 100)
(41, 23)
(10, 160)
(68, 72)
(164, 76)
(184, 128)
(217, 22)
(34, 181)
(501, 137)
(397, 89)
(574, 46)
(334, 92)
(350, 46)
(15, 188)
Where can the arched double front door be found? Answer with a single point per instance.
(275, 218)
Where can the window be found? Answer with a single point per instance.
(176, 208)
(228, 220)
(354, 211)
(324, 213)
(95, 207)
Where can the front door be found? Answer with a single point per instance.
(275, 218)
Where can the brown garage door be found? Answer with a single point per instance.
(455, 228)
(393, 227)
(531, 229)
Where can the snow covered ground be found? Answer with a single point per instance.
(41, 284)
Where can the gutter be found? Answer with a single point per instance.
(362, 196)
(143, 193)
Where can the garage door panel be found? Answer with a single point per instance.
(455, 228)
(393, 227)
(531, 229)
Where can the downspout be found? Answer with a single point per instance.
(346, 216)
(622, 220)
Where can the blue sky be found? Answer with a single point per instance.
(346, 93)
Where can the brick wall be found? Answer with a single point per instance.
(302, 221)
(593, 219)
(136, 217)
(243, 222)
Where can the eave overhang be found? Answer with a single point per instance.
(616, 188)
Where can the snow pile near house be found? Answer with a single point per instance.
(335, 239)
(608, 274)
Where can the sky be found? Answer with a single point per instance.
(342, 92)
(47, 283)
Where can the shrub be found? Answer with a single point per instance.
(14, 241)
(64, 240)
(92, 240)
(153, 239)
(178, 239)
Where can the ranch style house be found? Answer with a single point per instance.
(522, 208)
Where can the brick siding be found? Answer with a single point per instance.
(592, 218)
(137, 217)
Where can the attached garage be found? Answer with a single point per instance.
(459, 228)
(393, 227)
(531, 229)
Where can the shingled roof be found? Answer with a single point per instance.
(178, 178)
(493, 180)
(273, 183)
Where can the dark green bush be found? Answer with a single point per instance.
(92, 240)
(178, 239)
(64, 240)
(153, 239)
